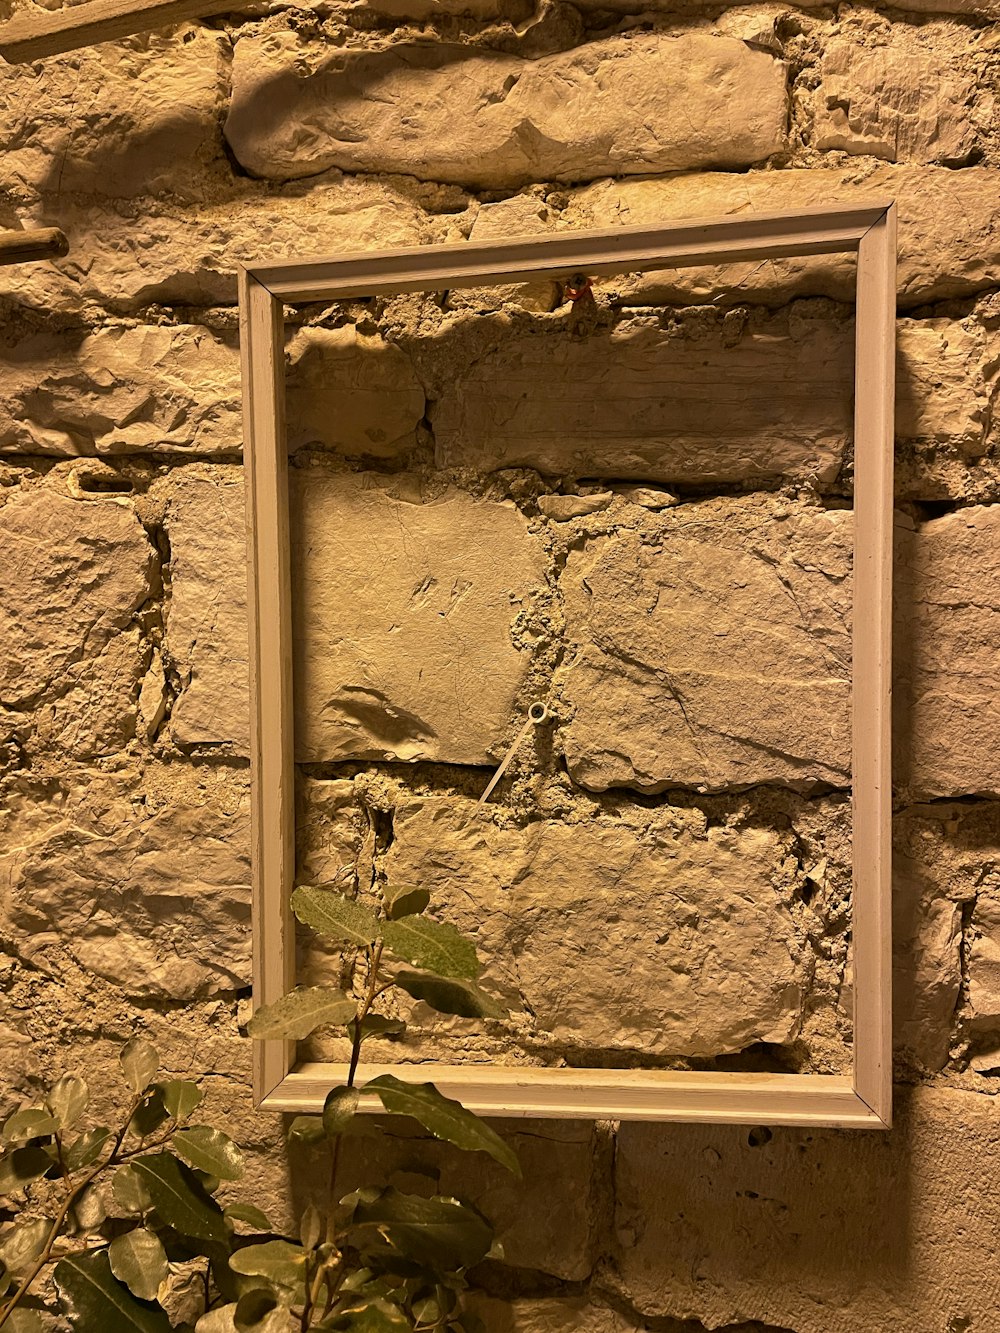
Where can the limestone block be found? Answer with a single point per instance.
(73, 573)
(119, 390)
(642, 931)
(948, 242)
(445, 113)
(206, 649)
(937, 850)
(405, 604)
(821, 1231)
(554, 1314)
(332, 833)
(151, 895)
(706, 398)
(176, 255)
(874, 100)
(352, 392)
(130, 118)
(711, 647)
(946, 378)
(947, 712)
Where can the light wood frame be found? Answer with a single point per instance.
(863, 1099)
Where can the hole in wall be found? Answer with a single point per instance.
(101, 483)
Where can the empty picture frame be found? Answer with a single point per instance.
(863, 1099)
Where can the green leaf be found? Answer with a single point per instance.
(279, 1261)
(21, 1166)
(310, 1227)
(336, 917)
(87, 1148)
(67, 1100)
(24, 1320)
(260, 1311)
(433, 946)
(219, 1320)
(93, 1299)
(149, 1116)
(33, 1123)
(209, 1150)
(379, 1316)
(88, 1212)
(377, 1025)
(179, 1198)
(300, 1012)
(448, 996)
(130, 1193)
(438, 1232)
(180, 1097)
(404, 900)
(139, 1062)
(246, 1212)
(339, 1110)
(21, 1246)
(139, 1260)
(444, 1118)
(306, 1129)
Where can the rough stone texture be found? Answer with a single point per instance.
(820, 1231)
(567, 1315)
(947, 652)
(708, 398)
(664, 910)
(73, 574)
(874, 101)
(445, 113)
(151, 894)
(424, 664)
(712, 649)
(137, 117)
(946, 381)
(205, 645)
(177, 254)
(948, 244)
(352, 392)
(122, 389)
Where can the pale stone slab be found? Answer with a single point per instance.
(406, 601)
(946, 379)
(947, 709)
(149, 891)
(821, 1231)
(124, 119)
(948, 242)
(177, 255)
(73, 573)
(873, 100)
(639, 932)
(352, 392)
(711, 648)
(446, 113)
(705, 398)
(566, 1314)
(122, 389)
(206, 650)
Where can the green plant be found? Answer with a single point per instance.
(376, 1260)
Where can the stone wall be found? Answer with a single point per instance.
(648, 526)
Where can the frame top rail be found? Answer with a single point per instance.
(809, 231)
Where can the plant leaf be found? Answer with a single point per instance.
(24, 1320)
(310, 1227)
(139, 1260)
(139, 1061)
(149, 1115)
(22, 1245)
(449, 996)
(279, 1261)
(32, 1123)
(404, 900)
(339, 1110)
(300, 1012)
(93, 1299)
(260, 1311)
(130, 1193)
(379, 1316)
(219, 1320)
(209, 1150)
(444, 1118)
(306, 1129)
(336, 917)
(433, 946)
(21, 1166)
(87, 1148)
(67, 1099)
(377, 1025)
(179, 1198)
(246, 1212)
(180, 1097)
(438, 1232)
